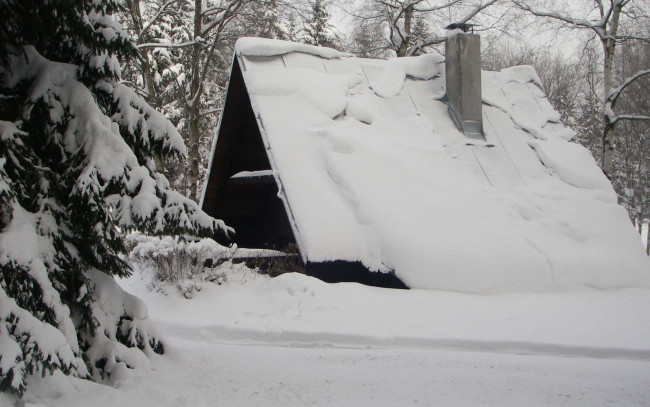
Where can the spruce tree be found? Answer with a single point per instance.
(76, 172)
(318, 30)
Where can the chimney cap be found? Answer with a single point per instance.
(465, 27)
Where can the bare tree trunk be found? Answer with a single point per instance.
(406, 38)
(640, 189)
(608, 127)
(609, 48)
(194, 107)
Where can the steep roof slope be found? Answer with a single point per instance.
(374, 170)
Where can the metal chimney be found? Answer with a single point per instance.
(463, 74)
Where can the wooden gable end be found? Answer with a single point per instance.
(241, 189)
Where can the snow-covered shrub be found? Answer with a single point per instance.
(76, 169)
(186, 265)
(175, 261)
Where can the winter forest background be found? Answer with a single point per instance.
(107, 114)
(583, 52)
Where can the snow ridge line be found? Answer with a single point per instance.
(296, 339)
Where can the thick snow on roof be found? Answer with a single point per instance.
(375, 171)
(265, 47)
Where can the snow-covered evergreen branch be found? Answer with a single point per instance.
(171, 45)
(161, 10)
(77, 171)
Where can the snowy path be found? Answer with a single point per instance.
(203, 374)
(276, 376)
(295, 341)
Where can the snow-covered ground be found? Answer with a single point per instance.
(239, 375)
(295, 341)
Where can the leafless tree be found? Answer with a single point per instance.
(612, 22)
(407, 22)
(632, 156)
(185, 52)
(560, 77)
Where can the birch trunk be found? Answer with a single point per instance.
(609, 48)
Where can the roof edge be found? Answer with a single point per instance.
(264, 47)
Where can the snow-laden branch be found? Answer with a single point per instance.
(477, 10)
(428, 42)
(198, 40)
(617, 118)
(392, 4)
(209, 12)
(436, 8)
(598, 27)
(403, 5)
(437, 40)
(616, 92)
(229, 12)
(624, 38)
(224, 9)
(156, 16)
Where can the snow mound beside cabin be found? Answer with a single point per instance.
(385, 178)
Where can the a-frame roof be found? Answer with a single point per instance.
(370, 168)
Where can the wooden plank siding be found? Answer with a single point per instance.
(250, 206)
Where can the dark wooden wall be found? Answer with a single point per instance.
(252, 208)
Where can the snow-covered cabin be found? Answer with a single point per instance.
(359, 163)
